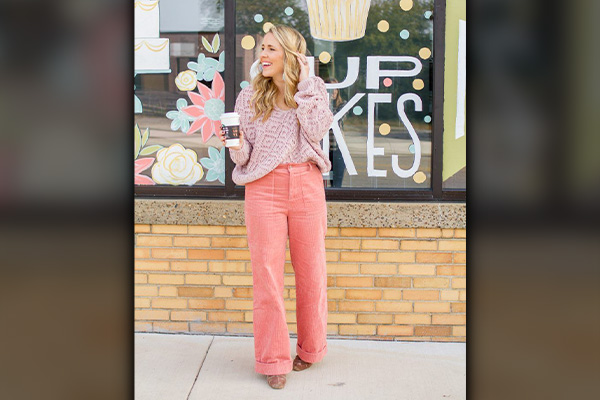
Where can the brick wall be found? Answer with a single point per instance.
(383, 283)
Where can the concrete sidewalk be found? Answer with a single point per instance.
(181, 367)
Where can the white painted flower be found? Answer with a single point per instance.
(186, 80)
(176, 165)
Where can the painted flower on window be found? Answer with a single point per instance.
(186, 80)
(207, 109)
(207, 68)
(215, 164)
(176, 165)
(180, 119)
(140, 149)
(140, 165)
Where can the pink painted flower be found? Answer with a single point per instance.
(207, 109)
(140, 165)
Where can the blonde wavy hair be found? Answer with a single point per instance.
(265, 90)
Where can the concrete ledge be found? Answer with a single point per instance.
(339, 214)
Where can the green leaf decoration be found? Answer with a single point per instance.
(137, 137)
(216, 43)
(145, 136)
(150, 149)
(207, 45)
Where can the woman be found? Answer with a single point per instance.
(284, 114)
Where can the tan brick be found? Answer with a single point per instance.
(447, 233)
(207, 304)
(208, 327)
(188, 315)
(460, 245)
(459, 331)
(397, 257)
(394, 330)
(332, 256)
(141, 228)
(433, 330)
(198, 279)
(288, 268)
(462, 295)
(354, 281)
(141, 303)
(169, 228)
(449, 295)
(334, 293)
(238, 255)
(243, 292)
(429, 232)
(140, 278)
(206, 230)
(239, 327)
(165, 278)
(153, 240)
(290, 316)
(164, 326)
(141, 253)
(291, 293)
(394, 306)
(412, 319)
(290, 305)
(431, 282)
(375, 318)
(356, 305)
(358, 232)
(167, 291)
(357, 329)
(189, 266)
(451, 270)
(195, 291)
(332, 232)
(432, 307)
(396, 232)
(411, 269)
(169, 253)
(248, 316)
(191, 241)
(449, 319)
(418, 245)
(229, 242)
(459, 283)
(379, 269)
(206, 254)
(363, 294)
(223, 292)
(348, 269)
(288, 280)
(428, 257)
(379, 244)
(420, 294)
(151, 265)
(237, 280)
(236, 230)
(348, 244)
(392, 294)
(239, 304)
(141, 326)
(460, 233)
(357, 256)
(225, 316)
(217, 266)
(332, 329)
(151, 314)
(392, 281)
(459, 258)
(169, 303)
(145, 290)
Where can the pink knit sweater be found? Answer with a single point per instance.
(288, 136)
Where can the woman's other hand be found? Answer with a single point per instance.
(303, 61)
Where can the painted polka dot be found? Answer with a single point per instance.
(418, 84)
(248, 42)
(267, 26)
(404, 34)
(406, 4)
(384, 129)
(411, 148)
(258, 18)
(419, 177)
(427, 119)
(289, 11)
(428, 14)
(324, 57)
(357, 110)
(424, 53)
(243, 84)
(387, 82)
(383, 26)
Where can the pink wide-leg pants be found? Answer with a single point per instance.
(289, 201)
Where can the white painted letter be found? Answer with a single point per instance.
(418, 107)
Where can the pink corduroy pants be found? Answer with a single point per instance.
(287, 202)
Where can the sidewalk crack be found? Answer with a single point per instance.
(200, 369)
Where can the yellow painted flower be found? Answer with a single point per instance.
(176, 165)
(186, 80)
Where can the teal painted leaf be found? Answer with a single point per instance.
(207, 45)
(137, 105)
(145, 136)
(150, 149)
(216, 43)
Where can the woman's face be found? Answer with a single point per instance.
(271, 57)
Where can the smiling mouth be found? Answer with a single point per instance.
(266, 65)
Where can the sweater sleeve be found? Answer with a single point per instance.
(313, 108)
(242, 106)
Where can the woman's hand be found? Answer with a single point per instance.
(221, 135)
(303, 61)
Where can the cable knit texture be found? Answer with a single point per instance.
(288, 136)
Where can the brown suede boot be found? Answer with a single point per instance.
(300, 365)
(276, 381)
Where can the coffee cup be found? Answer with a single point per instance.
(230, 124)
